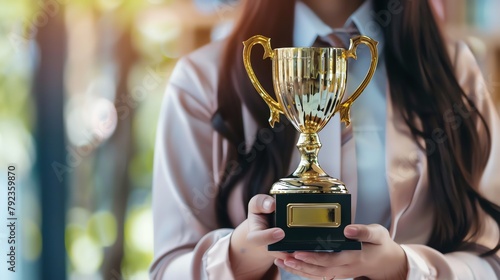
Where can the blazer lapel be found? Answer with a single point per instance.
(406, 166)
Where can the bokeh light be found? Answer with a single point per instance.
(139, 229)
(32, 237)
(102, 228)
(85, 254)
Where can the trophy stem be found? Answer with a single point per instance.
(309, 177)
(309, 167)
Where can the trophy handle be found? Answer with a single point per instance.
(345, 107)
(274, 106)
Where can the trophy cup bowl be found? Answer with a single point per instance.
(312, 207)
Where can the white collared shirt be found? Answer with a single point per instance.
(368, 116)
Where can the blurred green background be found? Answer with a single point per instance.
(81, 85)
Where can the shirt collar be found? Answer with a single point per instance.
(308, 26)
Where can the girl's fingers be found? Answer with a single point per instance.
(259, 232)
(265, 237)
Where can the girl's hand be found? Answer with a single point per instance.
(248, 248)
(259, 233)
(380, 258)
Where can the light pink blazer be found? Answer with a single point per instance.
(189, 158)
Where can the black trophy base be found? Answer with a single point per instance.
(313, 222)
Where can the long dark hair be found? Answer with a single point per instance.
(268, 157)
(422, 85)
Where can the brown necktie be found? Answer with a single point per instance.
(339, 38)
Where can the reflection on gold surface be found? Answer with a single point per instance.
(310, 84)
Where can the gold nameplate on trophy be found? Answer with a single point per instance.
(310, 215)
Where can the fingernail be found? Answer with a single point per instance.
(351, 231)
(278, 234)
(267, 204)
(279, 263)
(290, 263)
(300, 257)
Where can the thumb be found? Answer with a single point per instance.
(373, 233)
(261, 204)
(259, 232)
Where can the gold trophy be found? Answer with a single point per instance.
(311, 207)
